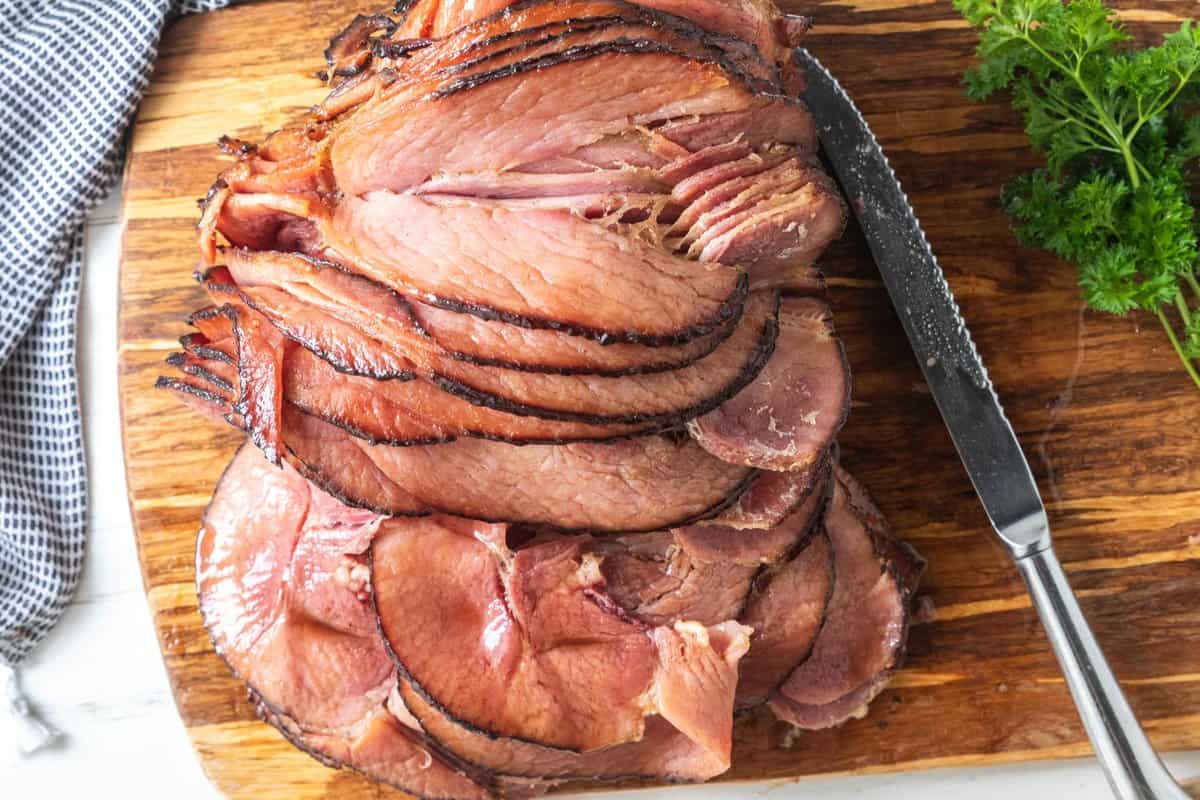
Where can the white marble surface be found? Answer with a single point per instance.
(99, 678)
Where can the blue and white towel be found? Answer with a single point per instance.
(71, 75)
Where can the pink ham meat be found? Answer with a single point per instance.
(509, 117)
(379, 337)
(395, 412)
(772, 497)
(284, 593)
(642, 484)
(488, 259)
(788, 417)
(523, 320)
(866, 625)
(700, 572)
(519, 663)
(755, 22)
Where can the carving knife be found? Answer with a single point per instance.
(981, 433)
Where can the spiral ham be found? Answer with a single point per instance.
(525, 327)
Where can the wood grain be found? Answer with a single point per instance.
(1107, 417)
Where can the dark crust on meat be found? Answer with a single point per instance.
(360, 28)
(397, 48)
(192, 345)
(570, 26)
(219, 287)
(327, 485)
(729, 308)
(723, 332)
(549, 369)
(331, 487)
(282, 723)
(236, 147)
(667, 419)
(718, 47)
(904, 566)
(359, 433)
(197, 345)
(242, 403)
(811, 532)
(622, 46)
(184, 387)
(662, 420)
(180, 362)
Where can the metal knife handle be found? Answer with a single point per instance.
(1133, 769)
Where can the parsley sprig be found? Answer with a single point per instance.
(1118, 129)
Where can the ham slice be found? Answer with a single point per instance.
(788, 417)
(482, 257)
(512, 116)
(283, 591)
(866, 624)
(493, 646)
(699, 572)
(379, 337)
(641, 484)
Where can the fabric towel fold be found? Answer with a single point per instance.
(71, 75)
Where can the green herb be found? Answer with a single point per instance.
(1117, 128)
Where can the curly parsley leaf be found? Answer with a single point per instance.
(1118, 129)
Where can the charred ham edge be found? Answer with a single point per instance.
(742, 61)
(786, 604)
(510, 347)
(702, 572)
(396, 413)
(382, 747)
(348, 235)
(786, 607)
(789, 416)
(755, 26)
(699, 84)
(862, 641)
(634, 671)
(583, 487)
(349, 52)
(773, 496)
(311, 677)
(526, 393)
(258, 399)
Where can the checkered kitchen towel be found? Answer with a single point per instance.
(71, 75)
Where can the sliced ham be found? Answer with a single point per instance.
(380, 339)
(464, 337)
(525, 649)
(478, 256)
(511, 116)
(643, 484)
(700, 572)
(772, 497)
(788, 417)
(866, 624)
(285, 596)
(521, 323)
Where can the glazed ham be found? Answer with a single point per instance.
(282, 581)
(526, 331)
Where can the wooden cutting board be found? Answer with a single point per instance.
(1106, 415)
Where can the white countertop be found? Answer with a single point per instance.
(99, 677)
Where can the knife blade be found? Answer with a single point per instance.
(936, 330)
(980, 431)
